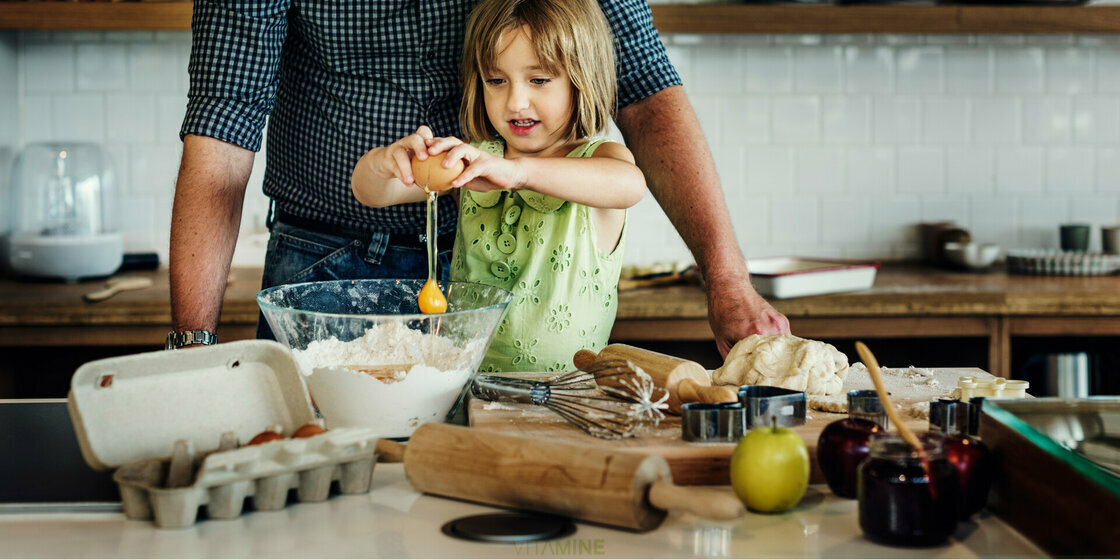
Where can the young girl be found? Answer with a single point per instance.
(543, 208)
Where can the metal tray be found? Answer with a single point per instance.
(788, 277)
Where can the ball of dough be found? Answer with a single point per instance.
(786, 361)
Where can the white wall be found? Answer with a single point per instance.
(9, 127)
(826, 145)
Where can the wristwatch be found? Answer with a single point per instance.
(179, 339)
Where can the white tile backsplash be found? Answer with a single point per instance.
(826, 145)
(921, 170)
(1069, 169)
(1047, 120)
(101, 67)
(1069, 71)
(1096, 119)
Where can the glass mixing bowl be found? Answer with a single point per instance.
(370, 357)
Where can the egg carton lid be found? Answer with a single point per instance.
(132, 408)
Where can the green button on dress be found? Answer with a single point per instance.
(541, 248)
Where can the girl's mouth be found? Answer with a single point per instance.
(522, 127)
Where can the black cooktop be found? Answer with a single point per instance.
(41, 464)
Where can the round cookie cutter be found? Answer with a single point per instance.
(713, 422)
(762, 402)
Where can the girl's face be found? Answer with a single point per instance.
(529, 107)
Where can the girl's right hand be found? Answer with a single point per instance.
(396, 159)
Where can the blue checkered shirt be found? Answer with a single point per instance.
(336, 78)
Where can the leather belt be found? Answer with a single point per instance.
(412, 240)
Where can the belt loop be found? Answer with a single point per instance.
(378, 243)
(270, 217)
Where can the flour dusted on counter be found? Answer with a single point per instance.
(911, 389)
(427, 375)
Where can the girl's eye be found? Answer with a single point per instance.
(495, 81)
(540, 81)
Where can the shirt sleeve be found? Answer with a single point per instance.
(235, 56)
(643, 65)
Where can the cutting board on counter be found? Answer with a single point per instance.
(691, 463)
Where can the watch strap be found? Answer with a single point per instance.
(179, 339)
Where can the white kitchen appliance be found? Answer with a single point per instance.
(63, 212)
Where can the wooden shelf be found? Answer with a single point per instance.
(696, 18)
(96, 16)
(802, 18)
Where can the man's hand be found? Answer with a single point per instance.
(736, 313)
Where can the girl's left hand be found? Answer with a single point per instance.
(484, 171)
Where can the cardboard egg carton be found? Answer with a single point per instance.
(146, 414)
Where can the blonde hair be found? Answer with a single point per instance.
(569, 37)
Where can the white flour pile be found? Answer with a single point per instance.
(431, 374)
(911, 389)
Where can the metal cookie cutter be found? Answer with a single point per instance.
(762, 402)
(713, 422)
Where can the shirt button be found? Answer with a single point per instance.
(513, 213)
(506, 243)
(499, 269)
(431, 54)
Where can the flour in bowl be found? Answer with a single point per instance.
(391, 379)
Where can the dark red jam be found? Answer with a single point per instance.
(901, 503)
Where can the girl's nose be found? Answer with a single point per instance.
(518, 97)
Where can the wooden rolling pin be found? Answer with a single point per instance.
(684, 380)
(587, 482)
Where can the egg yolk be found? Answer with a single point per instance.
(431, 299)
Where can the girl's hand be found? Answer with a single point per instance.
(484, 172)
(395, 159)
(383, 176)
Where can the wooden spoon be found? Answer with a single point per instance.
(877, 378)
(116, 285)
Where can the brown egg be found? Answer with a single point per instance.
(308, 430)
(430, 173)
(265, 437)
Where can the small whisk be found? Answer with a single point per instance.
(623, 407)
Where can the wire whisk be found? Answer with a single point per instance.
(610, 399)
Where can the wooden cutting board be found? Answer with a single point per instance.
(691, 463)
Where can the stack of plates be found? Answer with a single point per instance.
(1051, 262)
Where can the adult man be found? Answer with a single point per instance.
(339, 77)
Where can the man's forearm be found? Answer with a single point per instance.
(209, 194)
(669, 147)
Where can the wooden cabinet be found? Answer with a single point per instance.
(669, 18)
(985, 312)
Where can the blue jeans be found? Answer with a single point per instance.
(297, 255)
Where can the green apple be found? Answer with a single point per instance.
(770, 469)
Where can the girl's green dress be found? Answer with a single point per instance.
(541, 248)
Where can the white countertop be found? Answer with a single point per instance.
(394, 521)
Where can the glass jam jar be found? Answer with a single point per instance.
(901, 502)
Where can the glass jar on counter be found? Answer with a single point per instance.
(903, 499)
